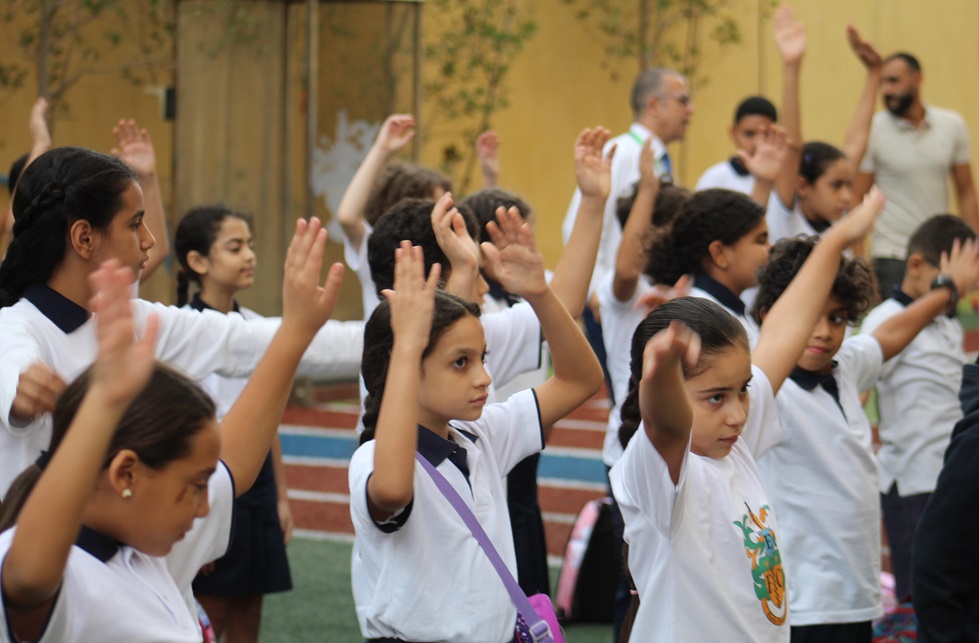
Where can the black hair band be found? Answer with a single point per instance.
(43, 459)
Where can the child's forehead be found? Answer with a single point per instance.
(463, 335)
(728, 368)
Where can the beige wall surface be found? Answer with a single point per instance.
(232, 143)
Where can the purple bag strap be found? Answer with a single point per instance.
(539, 626)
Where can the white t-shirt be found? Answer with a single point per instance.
(705, 554)
(724, 176)
(918, 396)
(619, 322)
(429, 580)
(356, 258)
(707, 288)
(785, 223)
(196, 343)
(116, 593)
(625, 172)
(528, 379)
(823, 481)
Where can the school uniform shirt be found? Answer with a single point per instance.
(823, 482)
(619, 322)
(705, 554)
(705, 287)
(625, 173)
(918, 396)
(421, 576)
(356, 258)
(46, 327)
(498, 301)
(112, 592)
(729, 175)
(785, 222)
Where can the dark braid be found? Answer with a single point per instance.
(62, 186)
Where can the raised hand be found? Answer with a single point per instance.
(769, 155)
(863, 49)
(124, 364)
(669, 348)
(306, 305)
(647, 166)
(790, 35)
(396, 132)
(413, 298)
(38, 126)
(487, 146)
(134, 147)
(860, 221)
(453, 237)
(592, 170)
(962, 265)
(513, 256)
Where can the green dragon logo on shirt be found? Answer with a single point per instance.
(766, 564)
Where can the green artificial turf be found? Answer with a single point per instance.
(320, 608)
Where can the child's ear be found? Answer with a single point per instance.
(122, 473)
(718, 254)
(198, 262)
(916, 261)
(802, 187)
(762, 314)
(82, 238)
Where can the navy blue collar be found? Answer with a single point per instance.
(738, 166)
(63, 312)
(198, 304)
(436, 449)
(98, 545)
(719, 292)
(901, 297)
(499, 293)
(809, 380)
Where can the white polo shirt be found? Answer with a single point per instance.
(823, 482)
(112, 592)
(48, 328)
(918, 396)
(625, 172)
(705, 554)
(619, 322)
(786, 223)
(356, 258)
(706, 288)
(911, 165)
(424, 577)
(724, 175)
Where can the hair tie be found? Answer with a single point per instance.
(43, 460)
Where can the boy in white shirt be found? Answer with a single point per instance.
(918, 394)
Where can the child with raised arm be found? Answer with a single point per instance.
(917, 393)
(377, 185)
(134, 492)
(704, 543)
(423, 365)
(821, 474)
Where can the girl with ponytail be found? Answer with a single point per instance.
(74, 209)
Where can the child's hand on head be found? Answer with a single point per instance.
(766, 162)
(790, 35)
(396, 132)
(413, 298)
(592, 170)
(124, 364)
(453, 236)
(487, 146)
(134, 148)
(513, 256)
(860, 220)
(306, 305)
(962, 265)
(670, 348)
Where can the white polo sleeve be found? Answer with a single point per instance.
(21, 348)
(208, 539)
(762, 430)
(962, 150)
(862, 356)
(511, 430)
(513, 342)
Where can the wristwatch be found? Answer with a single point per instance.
(945, 281)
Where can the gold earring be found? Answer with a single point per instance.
(127, 494)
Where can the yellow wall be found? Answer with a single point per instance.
(558, 85)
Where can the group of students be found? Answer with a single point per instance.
(740, 455)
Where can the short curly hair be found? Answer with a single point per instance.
(853, 287)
